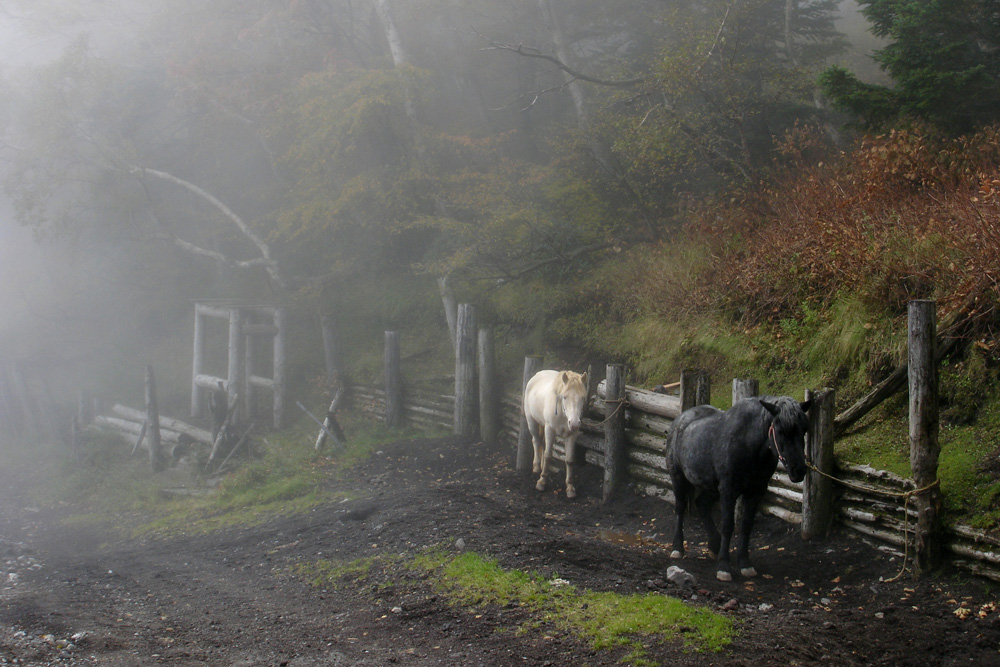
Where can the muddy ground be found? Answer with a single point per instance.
(72, 595)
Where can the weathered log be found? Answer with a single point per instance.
(198, 434)
(224, 432)
(817, 496)
(157, 461)
(489, 405)
(614, 431)
(975, 535)
(393, 381)
(140, 437)
(696, 388)
(236, 370)
(654, 423)
(886, 388)
(978, 569)
(924, 446)
(651, 441)
(745, 388)
(882, 535)
(466, 387)
(647, 401)
(785, 515)
(131, 428)
(279, 387)
(330, 425)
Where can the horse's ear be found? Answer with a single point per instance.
(770, 407)
(564, 378)
(585, 378)
(805, 405)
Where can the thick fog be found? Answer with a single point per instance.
(158, 152)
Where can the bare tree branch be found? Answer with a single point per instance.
(532, 52)
(265, 258)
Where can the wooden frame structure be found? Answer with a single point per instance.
(250, 324)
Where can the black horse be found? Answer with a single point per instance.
(726, 455)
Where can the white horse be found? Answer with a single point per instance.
(554, 402)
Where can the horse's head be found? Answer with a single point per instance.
(789, 425)
(572, 397)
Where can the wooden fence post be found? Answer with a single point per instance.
(525, 450)
(393, 385)
(156, 459)
(450, 309)
(331, 349)
(280, 365)
(696, 389)
(745, 388)
(614, 430)
(489, 402)
(235, 376)
(250, 354)
(465, 371)
(924, 446)
(817, 491)
(198, 393)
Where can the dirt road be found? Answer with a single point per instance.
(73, 596)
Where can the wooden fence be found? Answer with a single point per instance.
(867, 501)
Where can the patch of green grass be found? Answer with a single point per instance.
(606, 620)
(970, 490)
(334, 575)
(287, 476)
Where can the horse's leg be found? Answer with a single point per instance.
(704, 502)
(536, 445)
(750, 504)
(570, 452)
(727, 501)
(681, 490)
(550, 436)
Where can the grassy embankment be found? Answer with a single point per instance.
(805, 282)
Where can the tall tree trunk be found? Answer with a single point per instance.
(559, 40)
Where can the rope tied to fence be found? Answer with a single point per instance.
(905, 495)
(622, 403)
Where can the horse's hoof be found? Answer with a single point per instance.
(540, 485)
(748, 572)
(570, 492)
(723, 576)
(676, 554)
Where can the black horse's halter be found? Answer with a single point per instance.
(774, 438)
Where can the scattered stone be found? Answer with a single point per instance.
(764, 606)
(679, 577)
(731, 605)
(460, 544)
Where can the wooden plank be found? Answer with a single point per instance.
(648, 401)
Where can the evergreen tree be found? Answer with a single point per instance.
(944, 57)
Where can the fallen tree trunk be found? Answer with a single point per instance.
(198, 434)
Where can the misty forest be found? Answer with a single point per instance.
(755, 188)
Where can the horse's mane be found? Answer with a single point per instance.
(790, 415)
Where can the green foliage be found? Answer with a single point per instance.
(608, 620)
(727, 74)
(942, 60)
(336, 575)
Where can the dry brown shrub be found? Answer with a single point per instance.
(904, 215)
